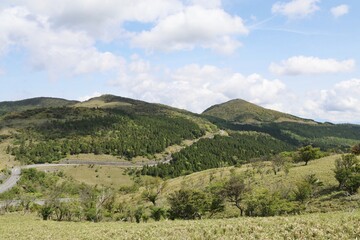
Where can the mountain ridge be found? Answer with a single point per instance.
(32, 103)
(241, 111)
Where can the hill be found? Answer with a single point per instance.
(239, 115)
(241, 111)
(108, 124)
(33, 103)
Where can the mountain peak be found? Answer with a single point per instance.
(241, 111)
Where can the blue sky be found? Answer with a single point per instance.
(296, 56)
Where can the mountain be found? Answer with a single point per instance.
(33, 103)
(241, 111)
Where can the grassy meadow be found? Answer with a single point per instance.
(336, 225)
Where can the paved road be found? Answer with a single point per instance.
(12, 180)
(16, 171)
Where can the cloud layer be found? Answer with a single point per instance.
(301, 65)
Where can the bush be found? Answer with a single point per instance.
(347, 172)
(356, 149)
(187, 204)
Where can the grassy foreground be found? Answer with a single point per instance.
(337, 225)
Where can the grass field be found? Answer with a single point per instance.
(322, 168)
(338, 225)
(108, 176)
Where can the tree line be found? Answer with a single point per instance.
(220, 151)
(113, 134)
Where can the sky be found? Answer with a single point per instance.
(295, 56)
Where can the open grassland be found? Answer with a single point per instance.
(322, 168)
(339, 225)
(108, 176)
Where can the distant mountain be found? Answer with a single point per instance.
(241, 111)
(32, 103)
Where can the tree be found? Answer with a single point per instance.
(157, 213)
(235, 190)
(307, 188)
(217, 201)
(279, 163)
(308, 153)
(188, 204)
(46, 211)
(139, 212)
(356, 149)
(153, 189)
(263, 202)
(347, 172)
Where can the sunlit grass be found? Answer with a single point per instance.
(108, 176)
(338, 225)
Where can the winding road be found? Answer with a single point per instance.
(12, 180)
(16, 171)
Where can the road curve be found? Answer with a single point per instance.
(12, 180)
(16, 171)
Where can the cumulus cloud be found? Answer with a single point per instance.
(85, 98)
(296, 8)
(54, 50)
(196, 87)
(300, 65)
(97, 17)
(340, 10)
(339, 103)
(194, 26)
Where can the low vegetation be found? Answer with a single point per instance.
(262, 166)
(335, 225)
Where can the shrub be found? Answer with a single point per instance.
(347, 172)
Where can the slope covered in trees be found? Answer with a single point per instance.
(99, 131)
(218, 152)
(33, 103)
(241, 111)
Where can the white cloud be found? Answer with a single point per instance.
(195, 26)
(195, 87)
(340, 10)
(206, 3)
(296, 8)
(57, 51)
(299, 65)
(85, 98)
(339, 103)
(101, 19)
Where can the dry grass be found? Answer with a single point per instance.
(93, 157)
(339, 225)
(322, 168)
(109, 176)
(6, 160)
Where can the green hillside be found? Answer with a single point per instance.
(110, 125)
(40, 102)
(239, 115)
(241, 111)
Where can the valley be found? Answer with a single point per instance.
(118, 159)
